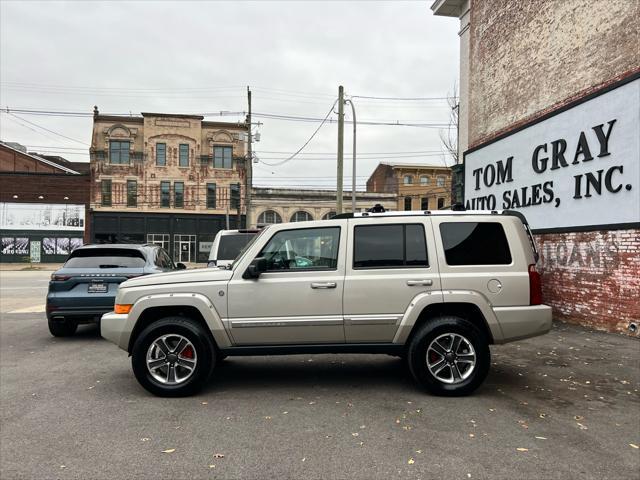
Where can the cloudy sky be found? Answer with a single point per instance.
(199, 57)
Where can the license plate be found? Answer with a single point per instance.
(98, 287)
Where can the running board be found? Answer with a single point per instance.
(246, 350)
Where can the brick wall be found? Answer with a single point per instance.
(592, 278)
(531, 56)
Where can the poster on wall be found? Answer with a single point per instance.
(577, 169)
(40, 216)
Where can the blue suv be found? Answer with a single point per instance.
(85, 287)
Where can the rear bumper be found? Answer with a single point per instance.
(79, 314)
(518, 323)
(112, 327)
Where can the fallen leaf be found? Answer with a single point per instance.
(218, 455)
(543, 415)
(492, 409)
(633, 445)
(582, 427)
(522, 449)
(169, 450)
(284, 413)
(361, 443)
(411, 461)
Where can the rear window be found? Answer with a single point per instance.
(231, 245)
(106, 258)
(475, 243)
(389, 246)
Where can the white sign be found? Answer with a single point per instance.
(578, 168)
(41, 216)
(205, 247)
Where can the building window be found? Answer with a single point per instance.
(268, 217)
(424, 203)
(161, 239)
(178, 194)
(407, 203)
(301, 216)
(161, 154)
(329, 216)
(119, 152)
(440, 181)
(222, 157)
(165, 194)
(183, 155)
(211, 195)
(408, 179)
(235, 195)
(424, 180)
(105, 189)
(440, 203)
(132, 193)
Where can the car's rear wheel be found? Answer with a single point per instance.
(173, 357)
(449, 356)
(64, 328)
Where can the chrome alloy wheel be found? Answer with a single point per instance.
(451, 358)
(171, 359)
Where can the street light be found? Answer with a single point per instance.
(353, 181)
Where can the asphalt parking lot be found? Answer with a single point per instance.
(565, 405)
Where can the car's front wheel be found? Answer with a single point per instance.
(173, 357)
(449, 356)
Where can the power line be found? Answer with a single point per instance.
(307, 142)
(43, 128)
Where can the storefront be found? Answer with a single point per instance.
(37, 232)
(187, 238)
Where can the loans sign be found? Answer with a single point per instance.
(578, 168)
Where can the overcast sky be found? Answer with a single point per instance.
(184, 57)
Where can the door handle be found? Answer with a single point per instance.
(324, 285)
(422, 283)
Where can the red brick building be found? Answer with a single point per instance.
(549, 125)
(44, 206)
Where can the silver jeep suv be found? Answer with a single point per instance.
(434, 287)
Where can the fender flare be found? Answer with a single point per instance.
(195, 300)
(423, 300)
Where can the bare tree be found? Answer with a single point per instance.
(449, 136)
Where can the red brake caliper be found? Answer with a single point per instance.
(187, 352)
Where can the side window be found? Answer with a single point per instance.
(303, 249)
(389, 246)
(474, 243)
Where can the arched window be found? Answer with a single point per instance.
(329, 216)
(408, 179)
(424, 180)
(269, 216)
(301, 216)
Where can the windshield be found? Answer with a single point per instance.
(248, 245)
(231, 245)
(106, 258)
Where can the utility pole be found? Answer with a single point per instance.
(249, 167)
(340, 149)
(353, 173)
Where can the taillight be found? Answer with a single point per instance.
(59, 278)
(535, 286)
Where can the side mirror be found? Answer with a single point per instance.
(255, 268)
(181, 266)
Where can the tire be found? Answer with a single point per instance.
(173, 330)
(65, 328)
(438, 334)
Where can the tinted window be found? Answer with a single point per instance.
(231, 245)
(105, 258)
(390, 246)
(471, 243)
(303, 249)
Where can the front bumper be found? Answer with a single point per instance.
(518, 323)
(112, 327)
